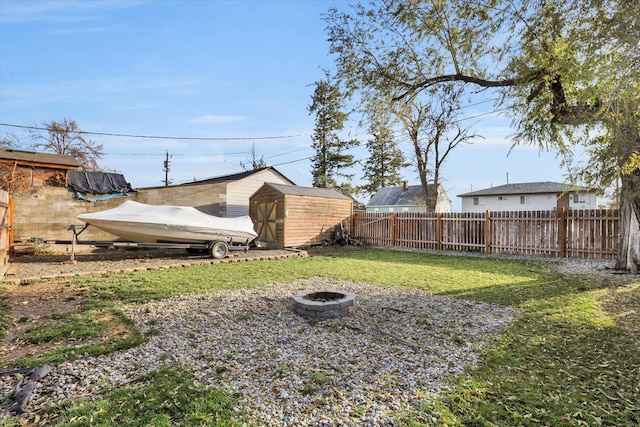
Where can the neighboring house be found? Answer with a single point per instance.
(407, 198)
(225, 196)
(529, 196)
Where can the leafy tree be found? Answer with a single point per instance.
(11, 140)
(382, 168)
(330, 161)
(567, 71)
(434, 132)
(66, 138)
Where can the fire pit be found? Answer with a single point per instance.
(324, 304)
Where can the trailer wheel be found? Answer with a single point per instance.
(219, 250)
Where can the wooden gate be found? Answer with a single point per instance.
(267, 226)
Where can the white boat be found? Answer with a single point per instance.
(142, 223)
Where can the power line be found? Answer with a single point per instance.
(186, 138)
(483, 114)
(292, 161)
(178, 154)
(206, 154)
(478, 103)
(278, 164)
(288, 152)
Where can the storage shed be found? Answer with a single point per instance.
(290, 215)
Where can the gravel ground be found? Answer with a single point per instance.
(366, 369)
(385, 359)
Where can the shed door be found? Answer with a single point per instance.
(266, 221)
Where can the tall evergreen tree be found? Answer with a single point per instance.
(330, 161)
(382, 168)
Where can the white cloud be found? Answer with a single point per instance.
(57, 11)
(216, 119)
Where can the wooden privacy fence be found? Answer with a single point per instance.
(5, 229)
(562, 233)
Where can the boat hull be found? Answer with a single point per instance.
(137, 222)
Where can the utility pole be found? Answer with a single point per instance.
(166, 169)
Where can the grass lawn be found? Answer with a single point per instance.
(571, 358)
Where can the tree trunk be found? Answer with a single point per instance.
(629, 246)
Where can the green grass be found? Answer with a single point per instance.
(69, 325)
(167, 397)
(564, 361)
(5, 311)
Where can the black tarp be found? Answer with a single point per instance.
(98, 182)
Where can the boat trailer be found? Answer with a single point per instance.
(216, 249)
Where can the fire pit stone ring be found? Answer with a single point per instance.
(324, 304)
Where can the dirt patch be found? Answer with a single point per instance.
(33, 305)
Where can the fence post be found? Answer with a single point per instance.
(439, 231)
(393, 229)
(562, 232)
(487, 232)
(10, 222)
(352, 230)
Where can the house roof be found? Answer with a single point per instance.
(233, 177)
(238, 176)
(296, 190)
(529, 188)
(397, 196)
(39, 159)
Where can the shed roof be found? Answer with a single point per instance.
(398, 196)
(529, 188)
(296, 190)
(35, 158)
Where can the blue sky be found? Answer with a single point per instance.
(241, 70)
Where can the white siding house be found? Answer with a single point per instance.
(240, 190)
(529, 196)
(225, 196)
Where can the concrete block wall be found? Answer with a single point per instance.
(208, 198)
(47, 212)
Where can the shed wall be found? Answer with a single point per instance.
(296, 220)
(311, 220)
